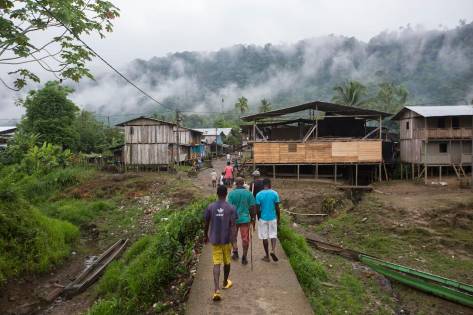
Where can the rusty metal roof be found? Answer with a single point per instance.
(327, 108)
(438, 110)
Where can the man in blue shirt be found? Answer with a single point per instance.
(267, 205)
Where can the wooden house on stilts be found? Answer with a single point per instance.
(320, 139)
(435, 137)
(151, 142)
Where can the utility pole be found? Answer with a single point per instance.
(178, 121)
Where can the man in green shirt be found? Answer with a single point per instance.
(244, 202)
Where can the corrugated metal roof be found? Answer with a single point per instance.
(211, 131)
(154, 120)
(7, 129)
(439, 110)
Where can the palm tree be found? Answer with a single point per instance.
(242, 105)
(351, 93)
(391, 98)
(265, 106)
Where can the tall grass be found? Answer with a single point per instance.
(142, 277)
(30, 241)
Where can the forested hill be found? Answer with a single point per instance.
(435, 66)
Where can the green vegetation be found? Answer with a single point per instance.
(22, 21)
(343, 295)
(143, 276)
(31, 241)
(265, 106)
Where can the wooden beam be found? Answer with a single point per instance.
(260, 133)
(370, 133)
(356, 175)
(309, 133)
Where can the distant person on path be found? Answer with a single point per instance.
(213, 178)
(229, 158)
(244, 202)
(221, 218)
(222, 179)
(228, 175)
(267, 205)
(257, 185)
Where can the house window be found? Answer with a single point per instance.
(455, 122)
(407, 125)
(292, 147)
(441, 122)
(443, 147)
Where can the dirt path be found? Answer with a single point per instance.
(271, 288)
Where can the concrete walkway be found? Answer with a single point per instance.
(271, 288)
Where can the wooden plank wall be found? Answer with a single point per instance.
(357, 151)
(147, 154)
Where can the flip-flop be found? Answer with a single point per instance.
(274, 257)
(216, 297)
(266, 259)
(229, 284)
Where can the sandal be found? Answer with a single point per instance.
(266, 259)
(274, 257)
(229, 284)
(217, 297)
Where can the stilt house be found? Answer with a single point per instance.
(150, 141)
(306, 138)
(435, 137)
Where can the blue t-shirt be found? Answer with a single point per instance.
(267, 199)
(222, 217)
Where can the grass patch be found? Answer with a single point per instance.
(78, 211)
(143, 276)
(31, 241)
(349, 295)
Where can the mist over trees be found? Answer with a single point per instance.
(433, 65)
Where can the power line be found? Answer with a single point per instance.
(105, 61)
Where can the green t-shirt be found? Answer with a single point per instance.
(242, 199)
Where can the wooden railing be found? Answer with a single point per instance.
(442, 133)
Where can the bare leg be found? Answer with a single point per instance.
(273, 245)
(216, 277)
(226, 273)
(266, 249)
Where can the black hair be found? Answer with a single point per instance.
(228, 163)
(267, 182)
(222, 191)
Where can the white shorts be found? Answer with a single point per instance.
(267, 229)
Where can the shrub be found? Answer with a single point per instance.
(141, 277)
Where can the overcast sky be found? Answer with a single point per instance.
(148, 28)
(155, 28)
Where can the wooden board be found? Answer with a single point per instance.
(351, 151)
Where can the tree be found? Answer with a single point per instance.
(265, 106)
(242, 105)
(51, 115)
(62, 53)
(390, 97)
(351, 93)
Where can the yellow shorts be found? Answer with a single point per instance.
(221, 254)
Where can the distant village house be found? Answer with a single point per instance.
(150, 141)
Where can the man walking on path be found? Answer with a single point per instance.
(267, 205)
(228, 175)
(257, 184)
(244, 202)
(213, 177)
(220, 217)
